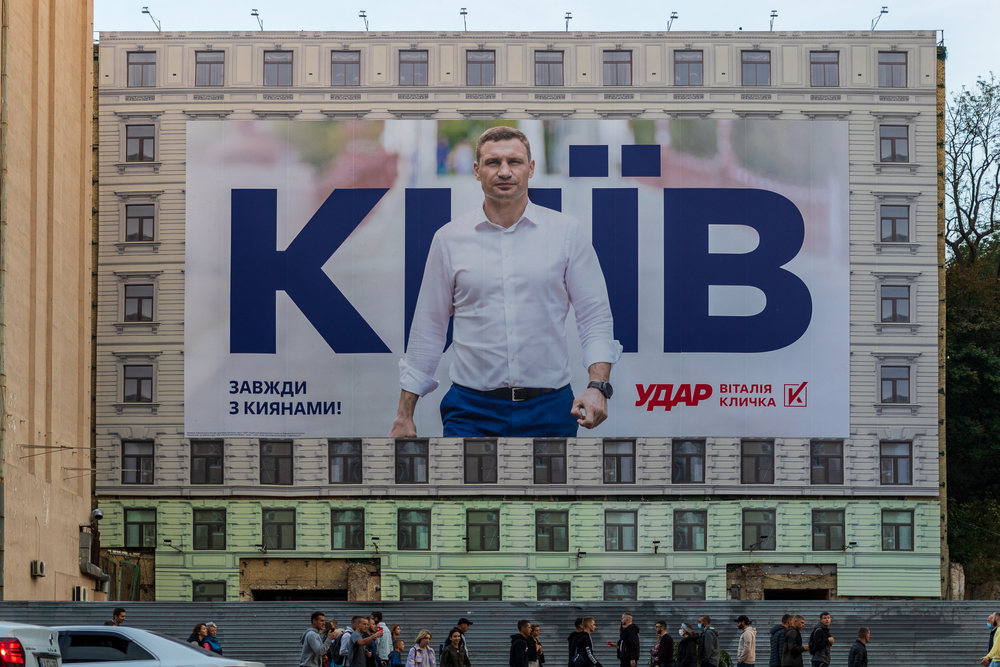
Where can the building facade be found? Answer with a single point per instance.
(586, 519)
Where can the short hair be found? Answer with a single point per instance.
(502, 133)
(786, 618)
(118, 610)
(627, 613)
(523, 623)
(578, 622)
(398, 642)
(707, 619)
(863, 632)
(420, 635)
(663, 623)
(798, 617)
(317, 614)
(824, 613)
(377, 615)
(587, 619)
(212, 624)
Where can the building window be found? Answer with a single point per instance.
(138, 384)
(893, 142)
(139, 222)
(621, 591)
(411, 462)
(558, 591)
(548, 68)
(617, 68)
(209, 68)
(485, 591)
(828, 530)
(690, 530)
(758, 462)
(141, 69)
(758, 530)
(138, 303)
(896, 463)
(278, 68)
(480, 68)
(619, 531)
(619, 462)
(276, 462)
(689, 461)
(824, 69)
(891, 69)
(895, 223)
(413, 68)
(414, 528)
(416, 591)
(345, 462)
(550, 461)
(483, 530)
(551, 531)
(689, 67)
(897, 530)
(348, 529)
(210, 530)
(827, 462)
(895, 384)
(140, 528)
(895, 303)
(481, 462)
(137, 462)
(140, 143)
(756, 68)
(279, 529)
(207, 462)
(209, 591)
(689, 590)
(345, 68)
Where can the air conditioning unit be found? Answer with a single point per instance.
(80, 594)
(38, 568)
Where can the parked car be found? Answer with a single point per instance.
(24, 645)
(121, 646)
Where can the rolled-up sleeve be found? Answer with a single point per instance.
(588, 292)
(429, 329)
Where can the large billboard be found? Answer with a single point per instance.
(722, 246)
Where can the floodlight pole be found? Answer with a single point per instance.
(254, 13)
(569, 15)
(885, 10)
(774, 15)
(670, 23)
(145, 10)
(364, 15)
(465, 24)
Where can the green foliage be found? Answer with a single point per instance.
(725, 660)
(695, 137)
(973, 531)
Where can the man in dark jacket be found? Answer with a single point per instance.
(778, 640)
(708, 644)
(628, 642)
(820, 641)
(585, 645)
(519, 644)
(858, 657)
(792, 652)
(573, 636)
(663, 650)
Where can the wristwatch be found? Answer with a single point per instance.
(604, 387)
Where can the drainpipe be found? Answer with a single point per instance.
(4, 69)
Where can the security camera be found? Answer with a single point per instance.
(96, 515)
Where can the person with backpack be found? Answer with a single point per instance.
(315, 642)
(708, 644)
(421, 654)
(687, 647)
(820, 641)
(663, 650)
(396, 655)
(778, 631)
(793, 650)
(573, 637)
(519, 644)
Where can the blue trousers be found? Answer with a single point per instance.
(468, 414)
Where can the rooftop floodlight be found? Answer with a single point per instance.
(885, 10)
(569, 15)
(254, 13)
(774, 15)
(673, 17)
(364, 16)
(145, 10)
(465, 24)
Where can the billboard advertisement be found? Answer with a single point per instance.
(341, 273)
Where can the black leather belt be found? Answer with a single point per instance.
(516, 394)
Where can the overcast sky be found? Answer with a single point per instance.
(970, 26)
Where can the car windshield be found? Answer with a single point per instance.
(199, 649)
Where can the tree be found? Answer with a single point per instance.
(972, 162)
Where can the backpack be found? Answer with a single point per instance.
(814, 642)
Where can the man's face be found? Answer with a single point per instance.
(363, 625)
(590, 625)
(120, 618)
(825, 619)
(659, 629)
(868, 637)
(319, 622)
(464, 627)
(799, 623)
(626, 620)
(504, 169)
(741, 625)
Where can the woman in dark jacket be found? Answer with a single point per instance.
(198, 635)
(454, 653)
(687, 648)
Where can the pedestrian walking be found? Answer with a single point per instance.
(383, 645)
(709, 651)
(747, 650)
(993, 657)
(454, 653)
(211, 641)
(858, 655)
(463, 625)
(792, 652)
(421, 654)
(396, 657)
(687, 647)
(519, 644)
(662, 653)
(585, 644)
(316, 641)
(573, 637)
(536, 654)
(359, 653)
(198, 635)
(821, 641)
(778, 640)
(628, 642)
(117, 617)
(991, 622)
(344, 646)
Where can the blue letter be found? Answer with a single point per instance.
(616, 240)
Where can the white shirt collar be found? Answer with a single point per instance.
(531, 214)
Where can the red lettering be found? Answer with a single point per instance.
(644, 394)
(701, 392)
(661, 398)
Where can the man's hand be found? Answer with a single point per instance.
(402, 425)
(632, 662)
(590, 409)
(831, 640)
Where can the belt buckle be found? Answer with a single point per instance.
(514, 397)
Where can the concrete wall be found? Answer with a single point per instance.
(45, 291)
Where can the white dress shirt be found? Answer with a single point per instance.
(509, 291)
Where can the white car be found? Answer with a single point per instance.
(28, 645)
(122, 646)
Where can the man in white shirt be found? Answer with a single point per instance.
(508, 273)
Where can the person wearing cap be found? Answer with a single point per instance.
(687, 647)
(463, 625)
(211, 641)
(746, 653)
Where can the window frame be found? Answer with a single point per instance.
(481, 64)
(616, 64)
(209, 538)
(550, 598)
(894, 302)
(893, 220)
(894, 384)
(895, 529)
(416, 598)
(208, 458)
(756, 65)
(551, 538)
(548, 65)
(141, 221)
(139, 460)
(744, 456)
(484, 598)
(346, 64)
(208, 598)
(828, 537)
(634, 585)
(348, 546)
(426, 62)
(894, 461)
(414, 540)
(141, 525)
(141, 383)
(620, 532)
(280, 524)
(211, 67)
(894, 156)
(278, 66)
(142, 69)
(410, 460)
(483, 538)
(773, 524)
(547, 458)
(140, 301)
(345, 460)
(687, 64)
(686, 460)
(673, 590)
(688, 526)
(277, 459)
(824, 69)
(144, 143)
(826, 458)
(618, 460)
(904, 66)
(474, 463)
